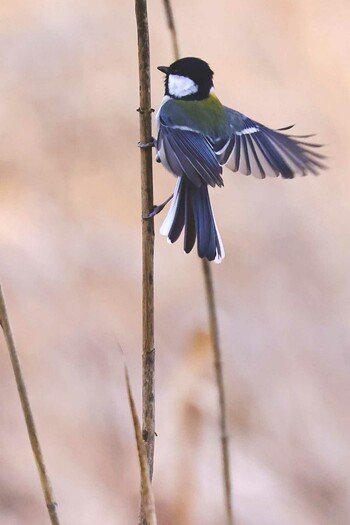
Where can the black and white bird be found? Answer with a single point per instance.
(197, 136)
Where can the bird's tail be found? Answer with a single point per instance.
(191, 210)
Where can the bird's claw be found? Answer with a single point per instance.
(151, 144)
(157, 208)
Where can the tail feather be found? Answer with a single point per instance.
(191, 210)
(172, 215)
(190, 226)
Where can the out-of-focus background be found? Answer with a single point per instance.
(70, 265)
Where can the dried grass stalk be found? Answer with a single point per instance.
(27, 412)
(149, 513)
(219, 375)
(148, 350)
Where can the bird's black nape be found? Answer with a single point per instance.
(194, 68)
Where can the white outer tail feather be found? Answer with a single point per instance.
(219, 258)
(169, 219)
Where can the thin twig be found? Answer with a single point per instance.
(27, 411)
(214, 330)
(149, 507)
(148, 350)
(171, 24)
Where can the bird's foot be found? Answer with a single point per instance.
(157, 208)
(151, 144)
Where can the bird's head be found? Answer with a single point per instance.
(188, 79)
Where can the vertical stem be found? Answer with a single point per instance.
(27, 411)
(148, 350)
(214, 330)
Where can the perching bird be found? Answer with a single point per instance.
(197, 136)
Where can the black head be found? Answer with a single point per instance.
(188, 79)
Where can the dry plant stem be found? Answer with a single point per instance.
(171, 24)
(148, 350)
(214, 330)
(148, 503)
(27, 411)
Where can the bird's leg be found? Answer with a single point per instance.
(151, 144)
(157, 208)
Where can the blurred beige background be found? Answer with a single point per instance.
(71, 269)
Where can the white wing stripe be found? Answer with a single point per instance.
(247, 131)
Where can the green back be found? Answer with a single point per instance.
(208, 116)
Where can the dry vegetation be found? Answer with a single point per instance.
(71, 269)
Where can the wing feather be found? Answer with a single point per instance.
(244, 164)
(189, 153)
(261, 151)
(256, 165)
(233, 160)
(268, 168)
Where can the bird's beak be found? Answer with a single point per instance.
(163, 69)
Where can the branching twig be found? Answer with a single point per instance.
(27, 411)
(148, 350)
(214, 330)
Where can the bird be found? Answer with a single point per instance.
(198, 136)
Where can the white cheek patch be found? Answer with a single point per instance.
(181, 86)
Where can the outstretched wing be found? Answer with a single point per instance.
(189, 153)
(260, 151)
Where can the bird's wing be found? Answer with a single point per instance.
(185, 142)
(189, 153)
(260, 151)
